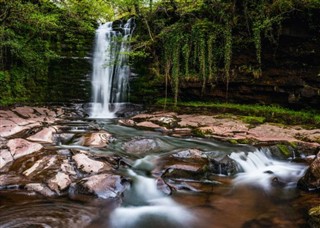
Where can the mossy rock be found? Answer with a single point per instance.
(285, 150)
(314, 217)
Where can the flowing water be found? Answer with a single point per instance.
(261, 193)
(223, 185)
(111, 69)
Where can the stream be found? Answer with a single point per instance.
(173, 182)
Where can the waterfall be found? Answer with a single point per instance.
(111, 70)
(259, 168)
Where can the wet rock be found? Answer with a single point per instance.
(314, 217)
(189, 153)
(43, 136)
(10, 128)
(24, 112)
(21, 147)
(127, 122)
(97, 139)
(10, 179)
(63, 138)
(68, 168)
(59, 182)
(40, 188)
(311, 180)
(44, 167)
(147, 124)
(225, 166)
(5, 157)
(182, 131)
(88, 165)
(141, 146)
(103, 185)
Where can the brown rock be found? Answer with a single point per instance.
(127, 122)
(88, 165)
(189, 153)
(5, 157)
(41, 165)
(43, 136)
(311, 180)
(97, 139)
(140, 146)
(40, 188)
(104, 185)
(59, 182)
(147, 124)
(25, 112)
(11, 179)
(20, 147)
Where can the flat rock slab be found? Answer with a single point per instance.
(141, 146)
(21, 147)
(104, 185)
(88, 165)
(40, 188)
(96, 139)
(44, 136)
(59, 182)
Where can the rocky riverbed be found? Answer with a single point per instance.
(52, 151)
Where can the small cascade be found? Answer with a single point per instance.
(259, 168)
(111, 70)
(146, 206)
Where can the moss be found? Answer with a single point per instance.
(254, 120)
(314, 214)
(233, 141)
(284, 149)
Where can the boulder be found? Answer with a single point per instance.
(59, 182)
(314, 217)
(45, 167)
(88, 165)
(141, 146)
(8, 180)
(102, 185)
(43, 136)
(5, 157)
(40, 188)
(311, 180)
(96, 139)
(148, 125)
(21, 147)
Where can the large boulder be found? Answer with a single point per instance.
(43, 136)
(142, 146)
(311, 180)
(104, 185)
(88, 165)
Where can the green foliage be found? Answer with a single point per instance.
(256, 113)
(33, 33)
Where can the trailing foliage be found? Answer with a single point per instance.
(195, 40)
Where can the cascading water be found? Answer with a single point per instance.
(260, 169)
(146, 206)
(110, 69)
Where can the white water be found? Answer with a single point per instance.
(261, 170)
(110, 69)
(146, 206)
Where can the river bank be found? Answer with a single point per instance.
(56, 152)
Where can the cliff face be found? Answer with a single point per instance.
(290, 69)
(290, 73)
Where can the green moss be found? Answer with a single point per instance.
(254, 120)
(314, 214)
(284, 149)
(256, 114)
